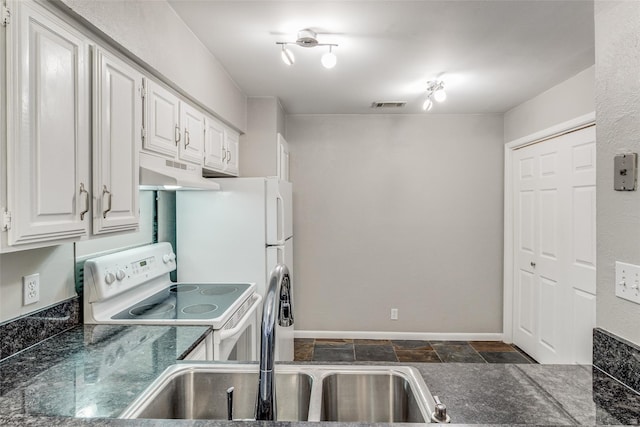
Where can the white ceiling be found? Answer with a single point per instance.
(492, 55)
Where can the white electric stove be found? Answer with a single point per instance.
(133, 287)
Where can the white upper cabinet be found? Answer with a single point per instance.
(221, 149)
(162, 111)
(232, 140)
(192, 143)
(117, 134)
(283, 158)
(47, 130)
(173, 128)
(215, 152)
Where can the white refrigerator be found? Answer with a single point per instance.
(237, 234)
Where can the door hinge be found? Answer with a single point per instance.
(143, 133)
(6, 16)
(6, 220)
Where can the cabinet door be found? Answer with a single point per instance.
(232, 143)
(161, 116)
(192, 123)
(117, 127)
(215, 152)
(48, 140)
(283, 158)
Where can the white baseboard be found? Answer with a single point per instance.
(424, 336)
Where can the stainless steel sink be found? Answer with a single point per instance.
(199, 392)
(369, 397)
(303, 393)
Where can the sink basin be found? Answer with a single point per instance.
(369, 397)
(200, 393)
(303, 393)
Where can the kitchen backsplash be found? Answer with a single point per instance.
(617, 357)
(23, 332)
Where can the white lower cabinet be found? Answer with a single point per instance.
(117, 133)
(48, 196)
(202, 351)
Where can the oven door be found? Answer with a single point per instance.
(236, 340)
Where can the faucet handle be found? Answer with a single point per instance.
(230, 403)
(440, 413)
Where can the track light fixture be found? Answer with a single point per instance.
(308, 38)
(287, 56)
(435, 90)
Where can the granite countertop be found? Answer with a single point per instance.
(88, 375)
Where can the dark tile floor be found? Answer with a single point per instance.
(347, 350)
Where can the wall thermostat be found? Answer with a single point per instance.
(625, 167)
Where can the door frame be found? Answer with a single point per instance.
(508, 273)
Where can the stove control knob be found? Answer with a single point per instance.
(120, 274)
(109, 278)
(167, 258)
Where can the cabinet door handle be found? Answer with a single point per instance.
(224, 155)
(533, 264)
(187, 138)
(177, 134)
(86, 201)
(108, 193)
(228, 156)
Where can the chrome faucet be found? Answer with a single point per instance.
(279, 292)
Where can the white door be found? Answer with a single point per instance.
(554, 241)
(215, 152)
(161, 120)
(192, 144)
(283, 158)
(48, 128)
(117, 127)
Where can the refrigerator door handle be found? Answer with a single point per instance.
(280, 213)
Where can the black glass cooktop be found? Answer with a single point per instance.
(186, 301)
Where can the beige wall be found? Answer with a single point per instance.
(152, 31)
(617, 30)
(398, 212)
(55, 265)
(258, 154)
(570, 99)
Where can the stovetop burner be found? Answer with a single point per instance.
(200, 308)
(182, 288)
(220, 290)
(149, 310)
(181, 301)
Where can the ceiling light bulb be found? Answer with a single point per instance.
(329, 59)
(428, 104)
(287, 56)
(440, 95)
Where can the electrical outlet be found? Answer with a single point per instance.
(30, 289)
(628, 281)
(394, 314)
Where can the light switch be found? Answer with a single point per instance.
(628, 281)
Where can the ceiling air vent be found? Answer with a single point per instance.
(388, 104)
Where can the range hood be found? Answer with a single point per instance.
(157, 173)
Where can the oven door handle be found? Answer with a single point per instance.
(226, 333)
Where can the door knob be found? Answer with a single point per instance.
(533, 264)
